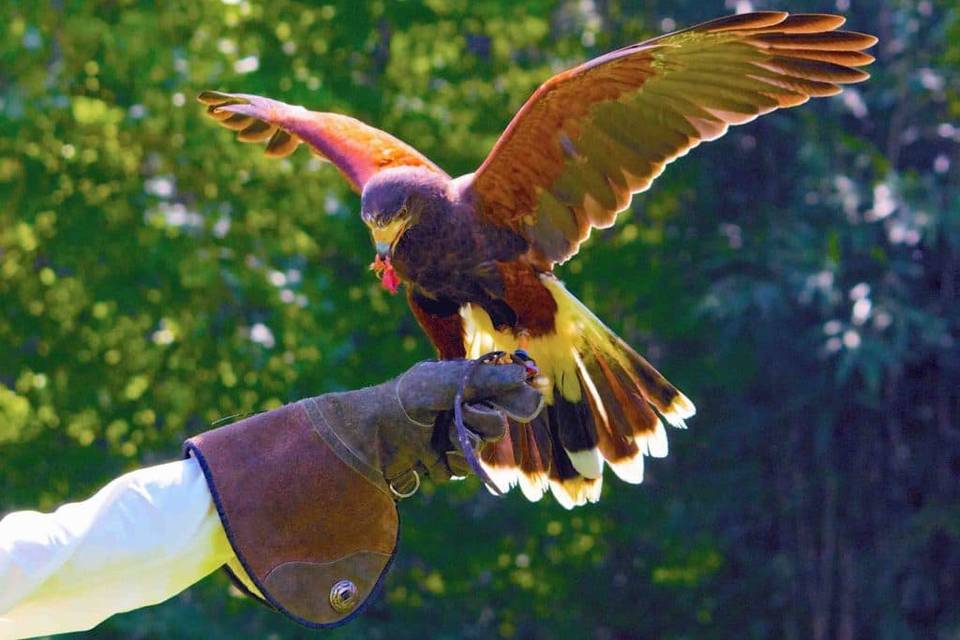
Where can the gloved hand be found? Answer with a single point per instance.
(405, 425)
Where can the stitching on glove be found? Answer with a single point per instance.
(396, 394)
(315, 416)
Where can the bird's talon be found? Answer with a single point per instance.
(494, 357)
(520, 356)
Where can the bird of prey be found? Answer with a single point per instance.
(476, 253)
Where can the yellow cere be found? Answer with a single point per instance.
(389, 233)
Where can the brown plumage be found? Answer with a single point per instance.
(477, 253)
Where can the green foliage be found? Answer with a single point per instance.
(797, 279)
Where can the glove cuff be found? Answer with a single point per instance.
(313, 526)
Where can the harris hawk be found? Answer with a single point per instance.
(476, 253)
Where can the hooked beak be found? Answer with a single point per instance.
(385, 238)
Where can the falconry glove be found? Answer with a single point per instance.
(307, 493)
(405, 425)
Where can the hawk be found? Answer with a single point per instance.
(476, 253)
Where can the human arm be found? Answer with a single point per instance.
(139, 540)
(151, 533)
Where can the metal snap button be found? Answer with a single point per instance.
(343, 596)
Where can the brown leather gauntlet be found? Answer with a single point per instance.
(314, 527)
(301, 490)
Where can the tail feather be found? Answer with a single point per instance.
(522, 457)
(499, 461)
(669, 401)
(621, 453)
(605, 404)
(577, 435)
(569, 487)
(533, 457)
(635, 417)
(576, 492)
(533, 452)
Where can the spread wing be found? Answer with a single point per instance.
(356, 149)
(594, 135)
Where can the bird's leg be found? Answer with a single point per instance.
(521, 356)
(523, 339)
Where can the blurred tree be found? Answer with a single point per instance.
(799, 278)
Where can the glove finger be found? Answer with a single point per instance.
(430, 386)
(458, 465)
(522, 404)
(484, 420)
(489, 380)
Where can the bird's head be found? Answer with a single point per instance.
(392, 202)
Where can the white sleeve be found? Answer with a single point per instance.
(143, 538)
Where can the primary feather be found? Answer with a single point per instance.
(594, 135)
